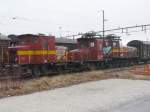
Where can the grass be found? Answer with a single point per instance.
(59, 81)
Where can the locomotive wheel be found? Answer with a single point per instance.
(87, 67)
(92, 66)
(44, 69)
(36, 71)
(102, 65)
(60, 69)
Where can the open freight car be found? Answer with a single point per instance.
(143, 49)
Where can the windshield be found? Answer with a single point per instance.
(27, 40)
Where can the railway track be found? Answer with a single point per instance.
(130, 68)
(12, 77)
(117, 69)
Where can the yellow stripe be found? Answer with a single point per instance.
(51, 52)
(36, 52)
(115, 50)
(119, 50)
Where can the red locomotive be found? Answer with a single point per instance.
(99, 51)
(33, 49)
(36, 53)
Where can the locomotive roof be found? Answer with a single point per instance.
(88, 38)
(138, 43)
(26, 35)
(94, 36)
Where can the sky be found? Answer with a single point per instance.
(67, 17)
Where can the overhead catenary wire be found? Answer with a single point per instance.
(123, 30)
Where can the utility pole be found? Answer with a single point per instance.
(60, 31)
(103, 23)
(103, 29)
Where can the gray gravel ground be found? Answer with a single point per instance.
(88, 97)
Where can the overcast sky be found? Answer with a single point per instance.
(73, 16)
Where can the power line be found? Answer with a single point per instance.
(122, 29)
(126, 28)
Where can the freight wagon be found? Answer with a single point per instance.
(143, 49)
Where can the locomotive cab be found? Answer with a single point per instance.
(20, 44)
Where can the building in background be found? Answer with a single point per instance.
(4, 44)
(70, 43)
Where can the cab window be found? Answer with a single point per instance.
(27, 40)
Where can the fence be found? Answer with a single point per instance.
(10, 78)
